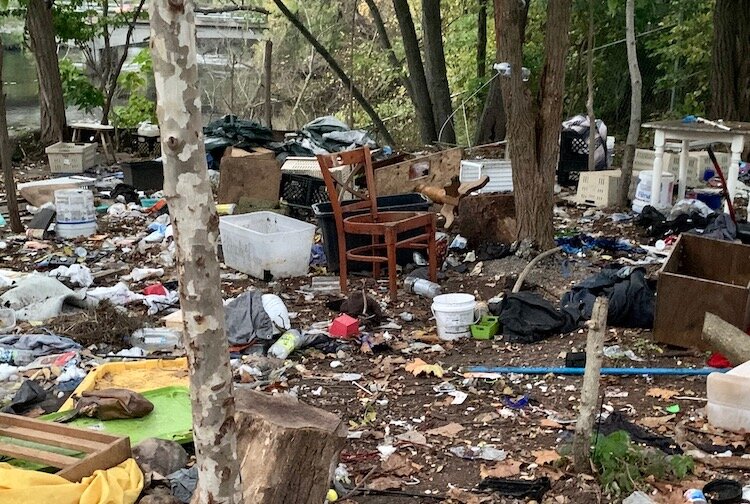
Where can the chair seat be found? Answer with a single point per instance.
(402, 221)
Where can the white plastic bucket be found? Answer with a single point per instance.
(454, 314)
(76, 215)
(643, 190)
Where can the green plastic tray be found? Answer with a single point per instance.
(171, 419)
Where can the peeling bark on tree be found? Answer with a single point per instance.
(42, 42)
(342, 75)
(193, 212)
(535, 123)
(5, 162)
(435, 70)
(636, 85)
(422, 100)
(590, 387)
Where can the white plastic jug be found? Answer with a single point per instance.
(454, 314)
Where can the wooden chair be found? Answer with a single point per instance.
(386, 229)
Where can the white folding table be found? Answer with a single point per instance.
(687, 132)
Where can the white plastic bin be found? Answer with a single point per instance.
(76, 214)
(261, 242)
(729, 399)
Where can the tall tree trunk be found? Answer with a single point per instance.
(267, 70)
(193, 211)
(535, 123)
(635, 104)
(342, 75)
(113, 72)
(437, 76)
(593, 133)
(42, 41)
(482, 40)
(385, 42)
(492, 123)
(730, 76)
(5, 162)
(422, 100)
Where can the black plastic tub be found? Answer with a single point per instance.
(144, 175)
(409, 202)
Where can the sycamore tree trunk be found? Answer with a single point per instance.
(535, 122)
(635, 104)
(730, 75)
(193, 212)
(437, 76)
(422, 100)
(342, 75)
(42, 42)
(5, 162)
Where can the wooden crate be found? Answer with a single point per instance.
(101, 451)
(66, 157)
(701, 275)
(598, 188)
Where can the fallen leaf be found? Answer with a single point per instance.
(552, 473)
(418, 366)
(504, 469)
(545, 456)
(548, 422)
(450, 430)
(466, 497)
(661, 393)
(413, 436)
(654, 422)
(486, 417)
(399, 465)
(385, 483)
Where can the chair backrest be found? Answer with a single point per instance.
(358, 159)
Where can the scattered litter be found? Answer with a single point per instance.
(478, 453)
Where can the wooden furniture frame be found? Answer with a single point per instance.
(103, 451)
(384, 228)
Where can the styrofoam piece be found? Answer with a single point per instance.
(266, 241)
(728, 395)
(499, 171)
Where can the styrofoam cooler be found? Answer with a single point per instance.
(261, 242)
(76, 214)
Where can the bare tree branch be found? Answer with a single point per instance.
(231, 8)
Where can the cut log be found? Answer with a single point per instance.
(723, 337)
(590, 388)
(288, 450)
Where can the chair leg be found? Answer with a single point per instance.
(375, 265)
(432, 252)
(390, 242)
(342, 264)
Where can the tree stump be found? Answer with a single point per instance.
(288, 450)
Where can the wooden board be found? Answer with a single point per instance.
(254, 176)
(701, 275)
(403, 177)
(101, 451)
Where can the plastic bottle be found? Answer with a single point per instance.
(286, 344)
(16, 357)
(695, 496)
(422, 287)
(155, 339)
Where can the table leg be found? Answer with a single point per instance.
(76, 135)
(684, 159)
(103, 137)
(738, 143)
(658, 162)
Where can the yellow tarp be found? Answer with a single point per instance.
(119, 485)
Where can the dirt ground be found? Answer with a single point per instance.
(388, 406)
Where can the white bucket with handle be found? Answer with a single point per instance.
(454, 314)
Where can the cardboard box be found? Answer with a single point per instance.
(701, 275)
(253, 175)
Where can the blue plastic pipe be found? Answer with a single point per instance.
(605, 371)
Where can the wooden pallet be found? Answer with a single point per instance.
(102, 451)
